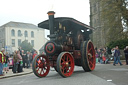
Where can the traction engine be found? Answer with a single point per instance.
(69, 45)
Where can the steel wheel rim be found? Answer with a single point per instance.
(91, 56)
(67, 64)
(42, 66)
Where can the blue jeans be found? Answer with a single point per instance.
(117, 59)
(101, 61)
(1, 68)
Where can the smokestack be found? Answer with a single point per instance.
(51, 21)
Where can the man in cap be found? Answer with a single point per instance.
(117, 56)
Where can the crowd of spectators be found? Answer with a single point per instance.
(103, 56)
(20, 60)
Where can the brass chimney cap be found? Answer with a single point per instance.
(51, 13)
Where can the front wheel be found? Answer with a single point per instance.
(65, 64)
(41, 66)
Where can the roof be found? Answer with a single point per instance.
(19, 24)
(69, 23)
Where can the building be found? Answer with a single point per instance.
(13, 33)
(95, 21)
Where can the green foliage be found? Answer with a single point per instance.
(112, 14)
(26, 46)
(121, 43)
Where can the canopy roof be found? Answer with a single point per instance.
(69, 23)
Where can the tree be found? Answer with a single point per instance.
(26, 46)
(123, 9)
(114, 16)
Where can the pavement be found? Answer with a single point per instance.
(29, 71)
(11, 74)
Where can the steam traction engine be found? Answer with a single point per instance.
(69, 45)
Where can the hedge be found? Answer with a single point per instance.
(120, 43)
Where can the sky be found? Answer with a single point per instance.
(35, 11)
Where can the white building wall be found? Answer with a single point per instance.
(7, 36)
(39, 37)
(2, 37)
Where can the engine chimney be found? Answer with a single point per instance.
(51, 21)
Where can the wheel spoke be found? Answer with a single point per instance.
(91, 64)
(67, 70)
(62, 66)
(45, 68)
(67, 58)
(37, 69)
(62, 59)
(89, 58)
(41, 71)
(90, 49)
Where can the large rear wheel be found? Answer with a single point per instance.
(88, 56)
(41, 66)
(65, 64)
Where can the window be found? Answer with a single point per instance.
(13, 32)
(26, 34)
(32, 34)
(32, 43)
(19, 33)
(13, 42)
(19, 42)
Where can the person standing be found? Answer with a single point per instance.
(126, 54)
(6, 68)
(15, 62)
(97, 57)
(98, 53)
(113, 52)
(103, 58)
(35, 53)
(24, 58)
(2, 60)
(28, 59)
(117, 56)
(20, 62)
(31, 59)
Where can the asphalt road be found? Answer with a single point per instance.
(102, 75)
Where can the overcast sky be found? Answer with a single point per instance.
(35, 11)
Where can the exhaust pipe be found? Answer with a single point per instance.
(51, 21)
